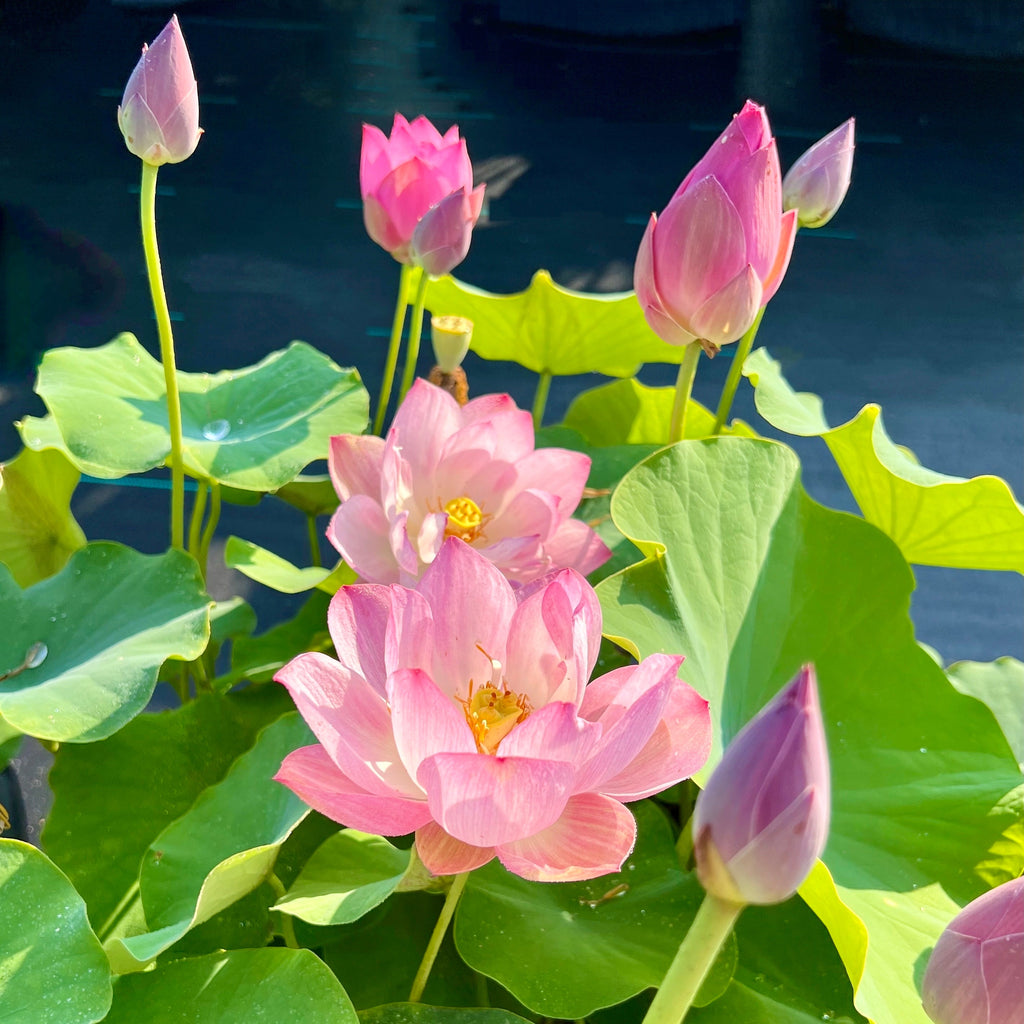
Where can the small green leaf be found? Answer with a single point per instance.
(107, 621)
(219, 850)
(37, 530)
(253, 429)
(52, 967)
(227, 988)
(551, 329)
(231, 618)
(312, 494)
(566, 950)
(935, 519)
(278, 573)
(349, 875)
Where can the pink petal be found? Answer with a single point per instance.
(593, 837)
(350, 720)
(431, 536)
(755, 188)
(787, 236)
(310, 774)
(666, 328)
(487, 801)
(443, 854)
(699, 247)
(541, 660)
(426, 417)
(728, 314)
(554, 733)
(529, 514)
(647, 295)
(425, 720)
(441, 239)
(380, 226)
(359, 531)
(558, 471)
(358, 619)
(409, 635)
(407, 192)
(576, 546)
(487, 407)
(472, 606)
(354, 463)
(373, 161)
(401, 545)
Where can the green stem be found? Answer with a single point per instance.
(401, 305)
(314, 540)
(430, 954)
(195, 522)
(540, 398)
(211, 525)
(147, 216)
(735, 372)
(287, 924)
(412, 352)
(119, 911)
(694, 958)
(684, 385)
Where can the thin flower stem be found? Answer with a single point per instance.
(412, 351)
(195, 523)
(430, 954)
(314, 541)
(735, 372)
(401, 305)
(540, 399)
(211, 525)
(147, 216)
(287, 924)
(684, 385)
(130, 896)
(694, 958)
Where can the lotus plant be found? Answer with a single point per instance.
(419, 204)
(469, 472)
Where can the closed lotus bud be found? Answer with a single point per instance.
(159, 113)
(762, 820)
(816, 184)
(976, 971)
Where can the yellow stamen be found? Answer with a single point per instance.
(465, 519)
(491, 713)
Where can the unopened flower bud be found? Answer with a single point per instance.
(159, 113)
(762, 820)
(976, 971)
(816, 184)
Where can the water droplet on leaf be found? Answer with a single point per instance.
(36, 655)
(216, 430)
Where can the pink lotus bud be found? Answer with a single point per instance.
(159, 113)
(404, 178)
(721, 247)
(441, 239)
(816, 184)
(762, 820)
(976, 971)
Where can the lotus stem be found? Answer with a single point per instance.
(540, 398)
(444, 919)
(412, 351)
(684, 386)
(735, 372)
(401, 305)
(147, 216)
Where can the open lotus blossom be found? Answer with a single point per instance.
(418, 197)
(721, 247)
(461, 711)
(159, 113)
(470, 472)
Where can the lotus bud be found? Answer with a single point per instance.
(441, 238)
(976, 971)
(816, 184)
(159, 113)
(762, 820)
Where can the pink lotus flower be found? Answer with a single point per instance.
(816, 184)
(762, 820)
(408, 183)
(159, 113)
(721, 247)
(975, 974)
(469, 472)
(461, 711)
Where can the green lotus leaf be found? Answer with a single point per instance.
(37, 530)
(52, 967)
(998, 684)
(749, 579)
(313, 494)
(234, 986)
(252, 429)
(551, 329)
(935, 519)
(83, 648)
(278, 573)
(418, 1013)
(222, 848)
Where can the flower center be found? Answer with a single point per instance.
(491, 712)
(465, 519)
